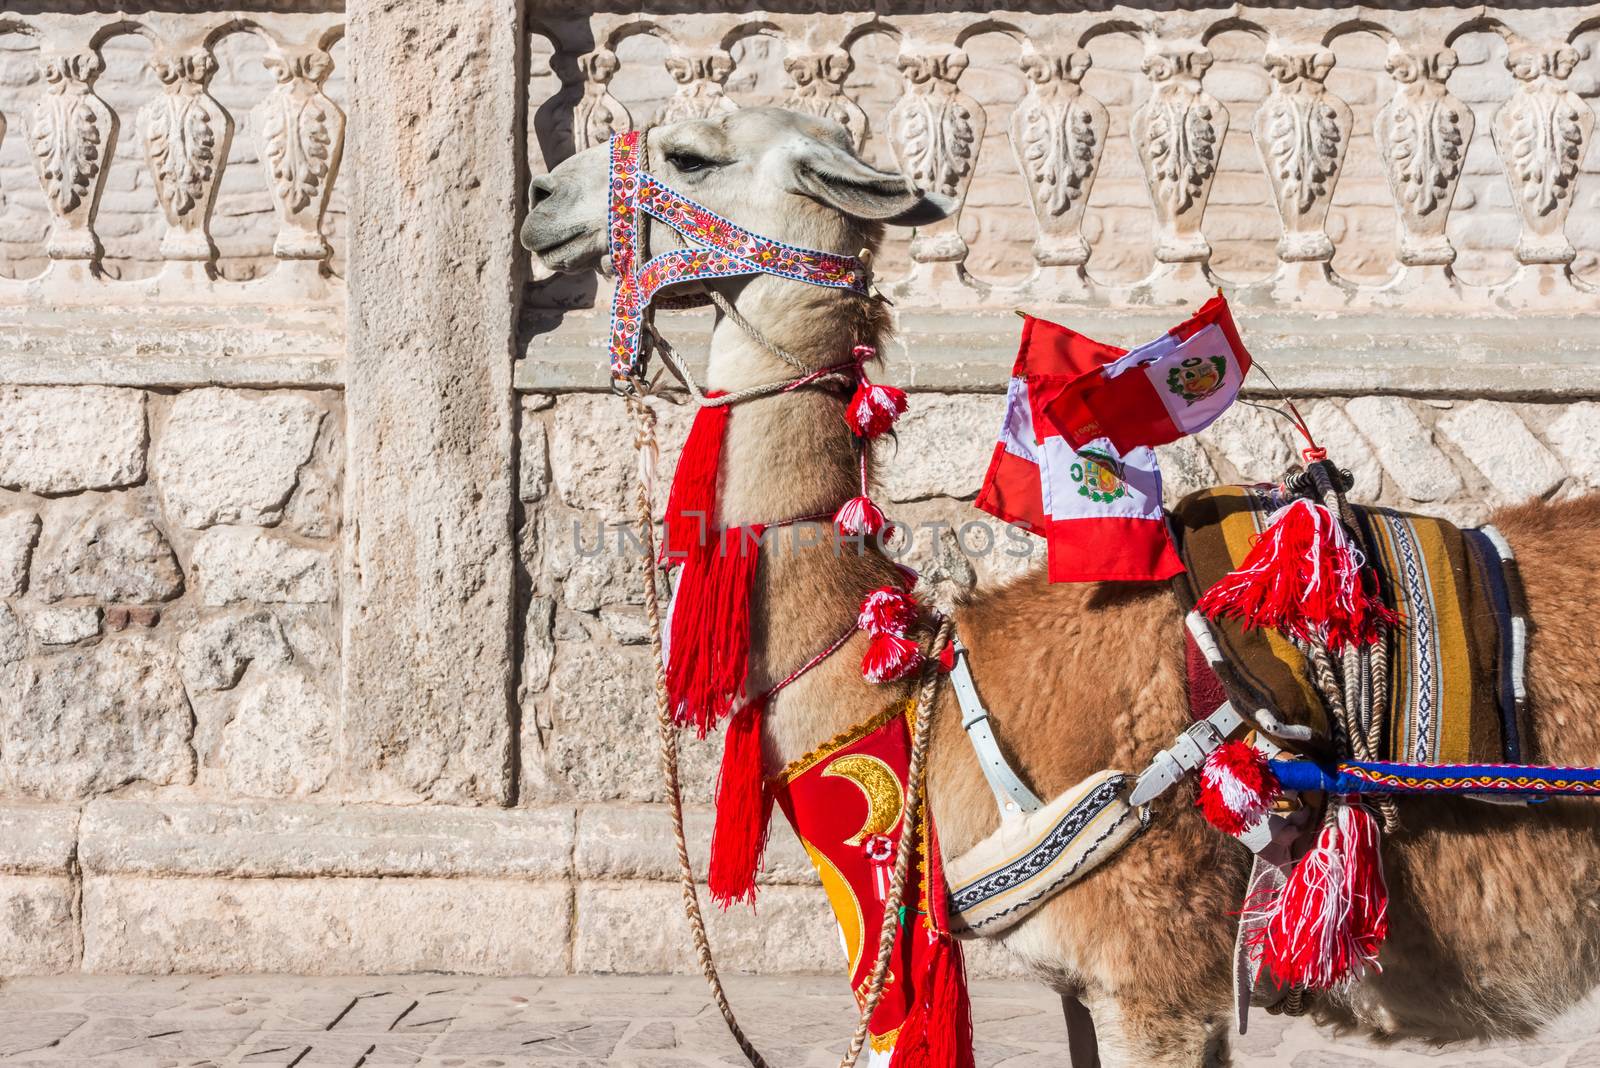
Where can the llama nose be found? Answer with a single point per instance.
(541, 189)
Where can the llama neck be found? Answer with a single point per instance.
(792, 455)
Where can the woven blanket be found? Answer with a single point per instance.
(1452, 661)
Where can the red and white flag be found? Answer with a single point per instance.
(1176, 385)
(1098, 507)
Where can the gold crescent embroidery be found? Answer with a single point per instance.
(881, 787)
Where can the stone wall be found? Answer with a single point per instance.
(319, 651)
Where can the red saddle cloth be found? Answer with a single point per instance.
(846, 802)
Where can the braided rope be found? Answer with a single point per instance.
(915, 777)
(667, 731)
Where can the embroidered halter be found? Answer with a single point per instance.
(718, 249)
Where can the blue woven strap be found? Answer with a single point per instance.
(1385, 777)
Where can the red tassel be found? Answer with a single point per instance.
(887, 610)
(692, 501)
(1237, 787)
(744, 807)
(890, 657)
(1330, 918)
(709, 653)
(873, 409)
(859, 517)
(937, 1032)
(1302, 577)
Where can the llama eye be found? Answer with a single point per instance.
(689, 163)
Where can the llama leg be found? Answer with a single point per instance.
(1082, 1048)
(1134, 1032)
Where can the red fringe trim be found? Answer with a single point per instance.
(1304, 578)
(1329, 920)
(744, 809)
(692, 502)
(709, 654)
(937, 1032)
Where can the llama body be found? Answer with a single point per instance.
(1495, 912)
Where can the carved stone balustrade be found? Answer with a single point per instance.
(1118, 161)
(165, 70)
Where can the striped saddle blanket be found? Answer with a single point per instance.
(1454, 663)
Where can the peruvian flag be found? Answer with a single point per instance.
(1098, 507)
(1176, 385)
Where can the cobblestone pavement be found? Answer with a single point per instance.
(441, 1021)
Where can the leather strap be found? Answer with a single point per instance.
(1010, 792)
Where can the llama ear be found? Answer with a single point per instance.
(840, 180)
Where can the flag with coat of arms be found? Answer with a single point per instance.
(1075, 462)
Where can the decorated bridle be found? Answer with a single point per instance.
(718, 248)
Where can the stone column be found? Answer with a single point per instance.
(433, 278)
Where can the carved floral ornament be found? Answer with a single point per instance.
(1058, 132)
(700, 79)
(1178, 130)
(1301, 131)
(72, 131)
(1422, 135)
(302, 138)
(599, 115)
(1541, 131)
(818, 79)
(185, 132)
(935, 127)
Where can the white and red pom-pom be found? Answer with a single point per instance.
(874, 408)
(1326, 925)
(1237, 787)
(859, 517)
(890, 657)
(887, 610)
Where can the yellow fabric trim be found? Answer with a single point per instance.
(799, 767)
(844, 901)
(1454, 742)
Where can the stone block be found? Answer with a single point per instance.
(247, 564)
(592, 460)
(941, 447)
(533, 460)
(37, 839)
(1499, 444)
(13, 637)
(1346, 447)
(597, 561)
(359, 926)
(305, 840)
(1575, 436)
(636, 842)
(18, 533)
(112, 557)
(279, 742)
(638, 928)
(1254, 442)
(232, 456)
(90, 720)
(316, 506)
(1405, 448)
(538, 644)
(56, 440)
(1185, 468)
(64, 625)
(599, 743)
(214, 653)
(38, 931)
